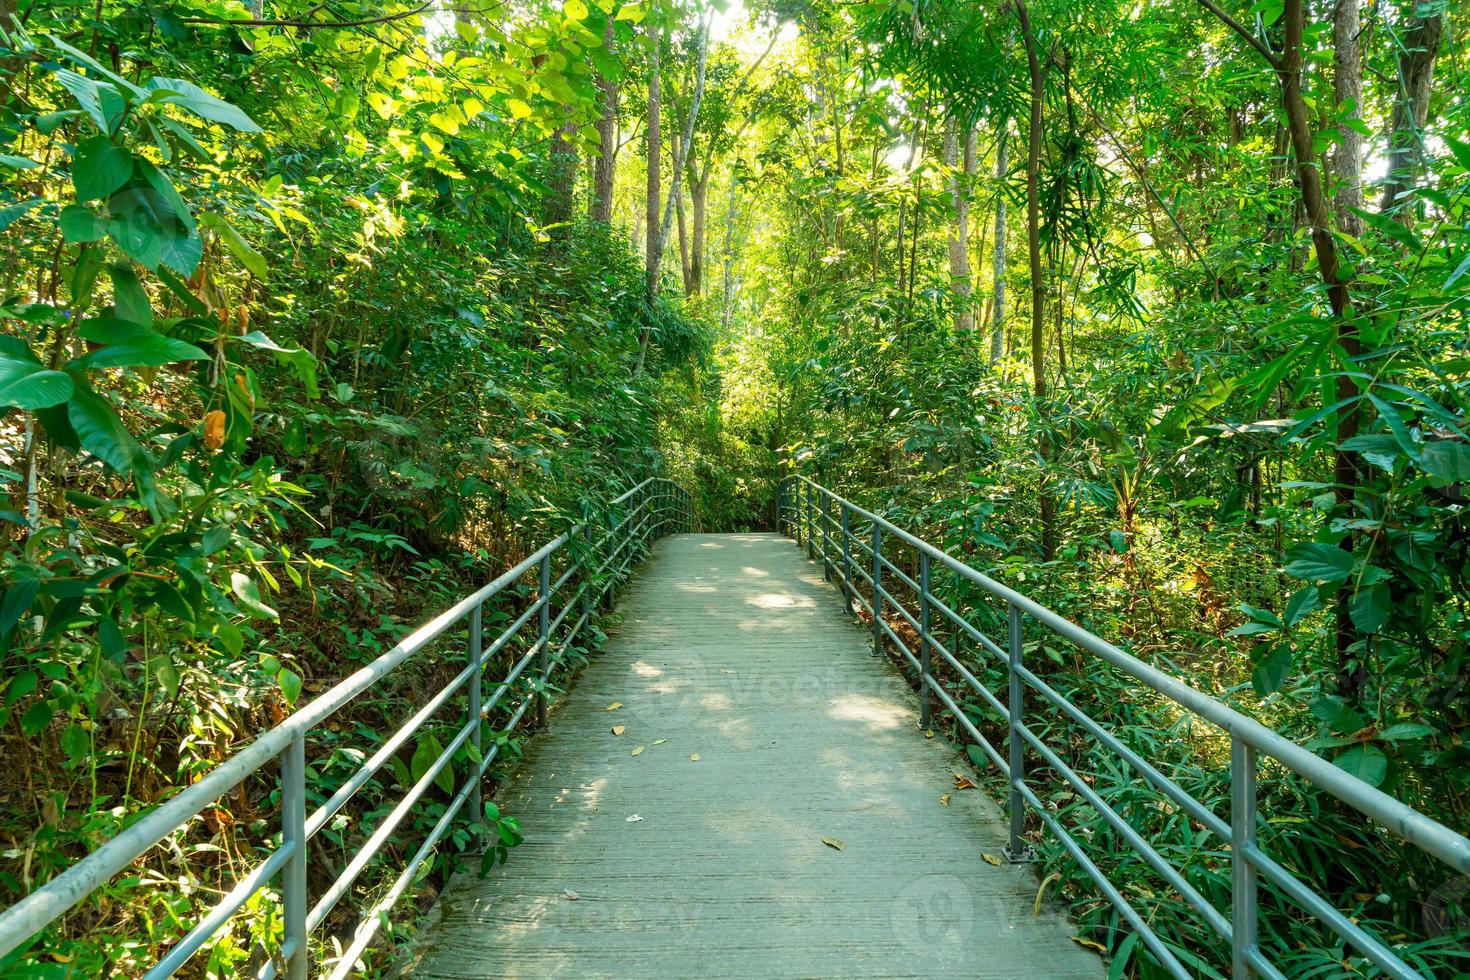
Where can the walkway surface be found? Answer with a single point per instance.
(753, 725)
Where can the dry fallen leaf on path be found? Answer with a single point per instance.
(618, 729)
(633, 819)
(570, 895)
(637, 751)
(944, 800)
(928, 733)
(659, 741)
(1095, 947)
(991, 859)
(615, 706)
(963, 782)
(833, 843)
(694, 757)
(726, 670)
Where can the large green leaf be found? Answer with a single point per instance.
(238, 246)
(176, 91)
(248, 595)
(12, 213)
(103, 434)
(147, 349)
(1447, 461)
(1317, 561)
(98, 168)
(1370, 606)
(1367, 762)
(25, 382)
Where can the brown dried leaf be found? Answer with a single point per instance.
(944, 800)
(214, 429)
(963, 782)
(991, 859)
(1095, 947)
(619, 729)
(694, 757)
(833, 843)
(615, 706)
(637, 751)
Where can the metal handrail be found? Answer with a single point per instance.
(806, 511)
(638, 517)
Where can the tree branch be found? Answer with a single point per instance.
(1240, 29)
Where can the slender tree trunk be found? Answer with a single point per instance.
(726, 308)
(653, 251)
(653, 142)
(998, 257)
(561, 204)
(676, 187)
(605, 166)
(698, 199)
(960, 175)
(1350, 674)
(688, 135)
(1411, 111)
(1347, 163)
(1038, 287)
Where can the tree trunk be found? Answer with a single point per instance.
(1347, 162)
(676, 188)
(653, 142)
(1350, 670)
(1038, 296)
(998, 257)
(605, 166)
(653, 251)
(959, 175)
(1411, 111)
(562, 201)
(698, 199)
(679, 161)
(729, 257)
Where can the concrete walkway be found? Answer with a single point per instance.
(642, 861)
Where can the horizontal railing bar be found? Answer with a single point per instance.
(1418, 829)
(380, 834)
(975, 634)
(23, 919)
(1165, 785)
(221, 913)
(969, 726)
(514, 629)
(1377, 953)
(386, 751)
(1151, 939)
(373, 919)
(1140, 845)
(973, 681)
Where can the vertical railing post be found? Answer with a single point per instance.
(477, 633)
(877, 590)
(811, 524)
(826, 535)
(586, 576)
(1018, 850)
(293, 876)
(1242, 870)
(925, 673)
(543, 635)
(609, 592)
(848, 589)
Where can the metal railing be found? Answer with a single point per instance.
(833, 530)
(589, 575)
